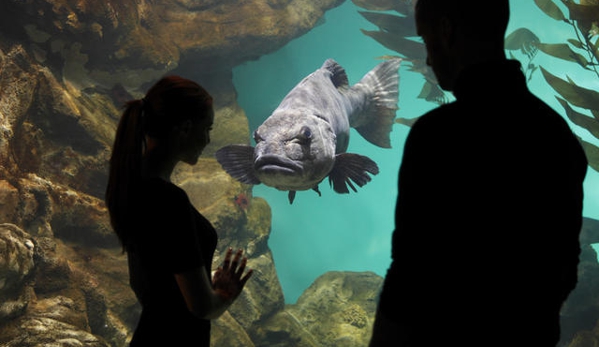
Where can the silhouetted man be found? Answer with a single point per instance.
(489, 209)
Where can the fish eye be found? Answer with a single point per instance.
(305, 133)
(257, 136)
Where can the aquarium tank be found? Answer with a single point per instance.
(68, 66)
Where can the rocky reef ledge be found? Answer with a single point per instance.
(66, 69)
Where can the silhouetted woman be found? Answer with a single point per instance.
(169, 244)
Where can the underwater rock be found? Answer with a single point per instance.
(227, 332)
(337, 310)
(130, 42)
(580, 313)
(62, 309)
(35, 212)
(9, 195)
(80, 218)
(283, 330)
(53, 275)
(100, 319)
(16, 87)
(49, 129)
(231, 126)
(590, 232)
(262, 297)
(48, 209)
(585, 339)
(16, 266)
(81, 291)
(339, 307)
(44, 331)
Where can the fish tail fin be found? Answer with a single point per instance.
(380, 87)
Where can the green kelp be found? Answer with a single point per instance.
(581, 49)
(396, 32)
(527, 43)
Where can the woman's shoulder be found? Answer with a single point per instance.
(154, 189)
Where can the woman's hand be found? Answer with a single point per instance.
(228, 280)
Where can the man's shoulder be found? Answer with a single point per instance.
(446, 115)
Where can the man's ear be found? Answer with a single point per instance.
(447, 32)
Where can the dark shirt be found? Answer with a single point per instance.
(169, 236)
(488, 214)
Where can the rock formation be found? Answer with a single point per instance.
(66, 69)
(580, 314)
(337, 310)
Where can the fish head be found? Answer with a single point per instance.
(295, 150)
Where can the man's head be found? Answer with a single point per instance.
(459, 32)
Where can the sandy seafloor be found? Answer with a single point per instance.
(353, 232)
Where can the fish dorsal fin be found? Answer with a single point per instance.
(338, 75)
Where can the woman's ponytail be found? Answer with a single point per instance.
(125, 165)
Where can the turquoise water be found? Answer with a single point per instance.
(353, 232)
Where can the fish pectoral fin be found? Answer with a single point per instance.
(406, 121)
(291, 196)
(351, 168)
(238, 162)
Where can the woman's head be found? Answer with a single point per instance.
(178, 111)
(176, 114)
(172, 101)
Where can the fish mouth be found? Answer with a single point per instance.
(270, 163)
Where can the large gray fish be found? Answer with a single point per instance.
(305, 138)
